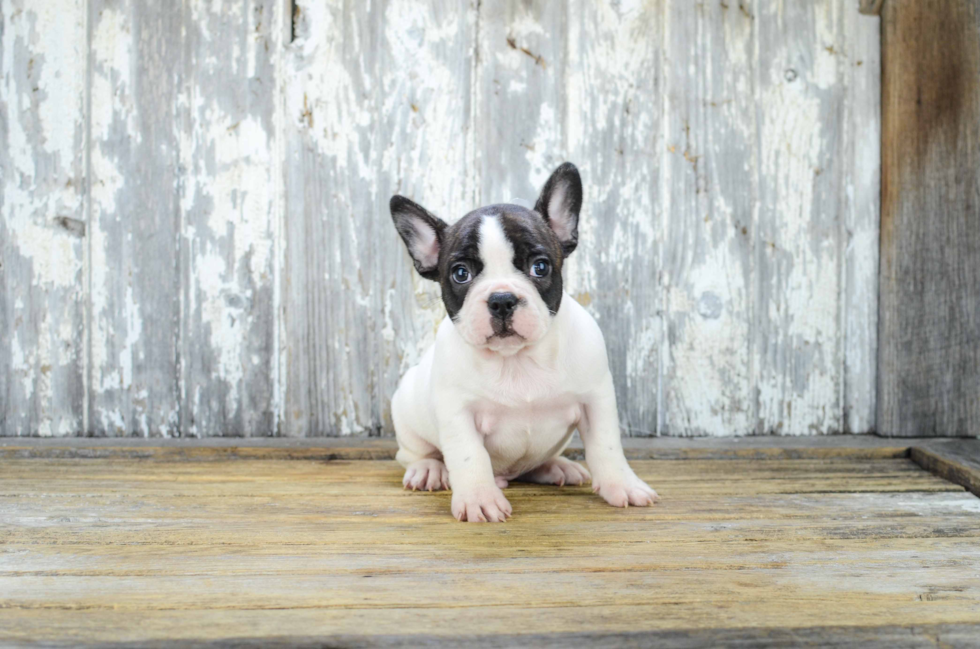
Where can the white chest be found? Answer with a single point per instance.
(519, 437)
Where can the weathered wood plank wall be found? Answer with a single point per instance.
(929, 361)
(238, 272)
(43, 226)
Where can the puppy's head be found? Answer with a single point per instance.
(499, 266)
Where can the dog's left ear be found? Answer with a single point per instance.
(422, 233)
(560, 203)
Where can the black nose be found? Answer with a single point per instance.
(501, 305)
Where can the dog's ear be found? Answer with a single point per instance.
(560, 203)
(422, 233)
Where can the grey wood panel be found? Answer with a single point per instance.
(929, 309)
(135, 217)
(239, 267)
(708, 266)
(229, 186)
(797, 341)
(376, 103)
(613, 131)
(42, 227)
(861, 203)
(519, 98)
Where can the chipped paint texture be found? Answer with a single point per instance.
(195, 233)
(42, 172)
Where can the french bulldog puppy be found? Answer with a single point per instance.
(517, 365)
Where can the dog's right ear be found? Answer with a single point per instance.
(422, 233)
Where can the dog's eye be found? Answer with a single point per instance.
(461, 274)
(540, 268)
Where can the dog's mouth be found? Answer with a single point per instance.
(502, 329)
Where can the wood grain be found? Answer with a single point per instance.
(231, 269)
(797, 342)
(929, 308)
(853, 447)
(955, 460)
(709, 202)
(284, 551)
(135, 221)
(860, 197)
(42, 217)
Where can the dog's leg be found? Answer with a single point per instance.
(476, 496)
(612, 477)
(558, 471)
(424, 468)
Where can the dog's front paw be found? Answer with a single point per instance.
(480, 504)
(426, 475)
(624, 490)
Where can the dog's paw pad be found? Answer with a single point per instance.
(426, 475)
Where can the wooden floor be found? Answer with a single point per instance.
(214, 547)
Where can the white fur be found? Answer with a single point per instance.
(496, 411)
(531, 320)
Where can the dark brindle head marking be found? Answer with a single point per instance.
(541, 239)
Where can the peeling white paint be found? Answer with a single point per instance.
(42, 91)
(728, 245)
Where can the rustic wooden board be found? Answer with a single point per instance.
(238, 272)
(230, 185)
(772, 226)
(860, 196)
(709, 204)
(182, 239)
(855, 447)
(797, 341)
(929, 309)
(955, 460)
(42, 217)
(289, 551)
(759, 224)
(135, 220)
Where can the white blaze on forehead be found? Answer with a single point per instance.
(531, 319)
(496, 250)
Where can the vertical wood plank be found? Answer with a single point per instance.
(376, 103)
(929, 309)
(134, 242)
(798, 344)
(226, 106)
(860, 196)
(519, 98)
(612, 94)
(43, 223)
(708, 266)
